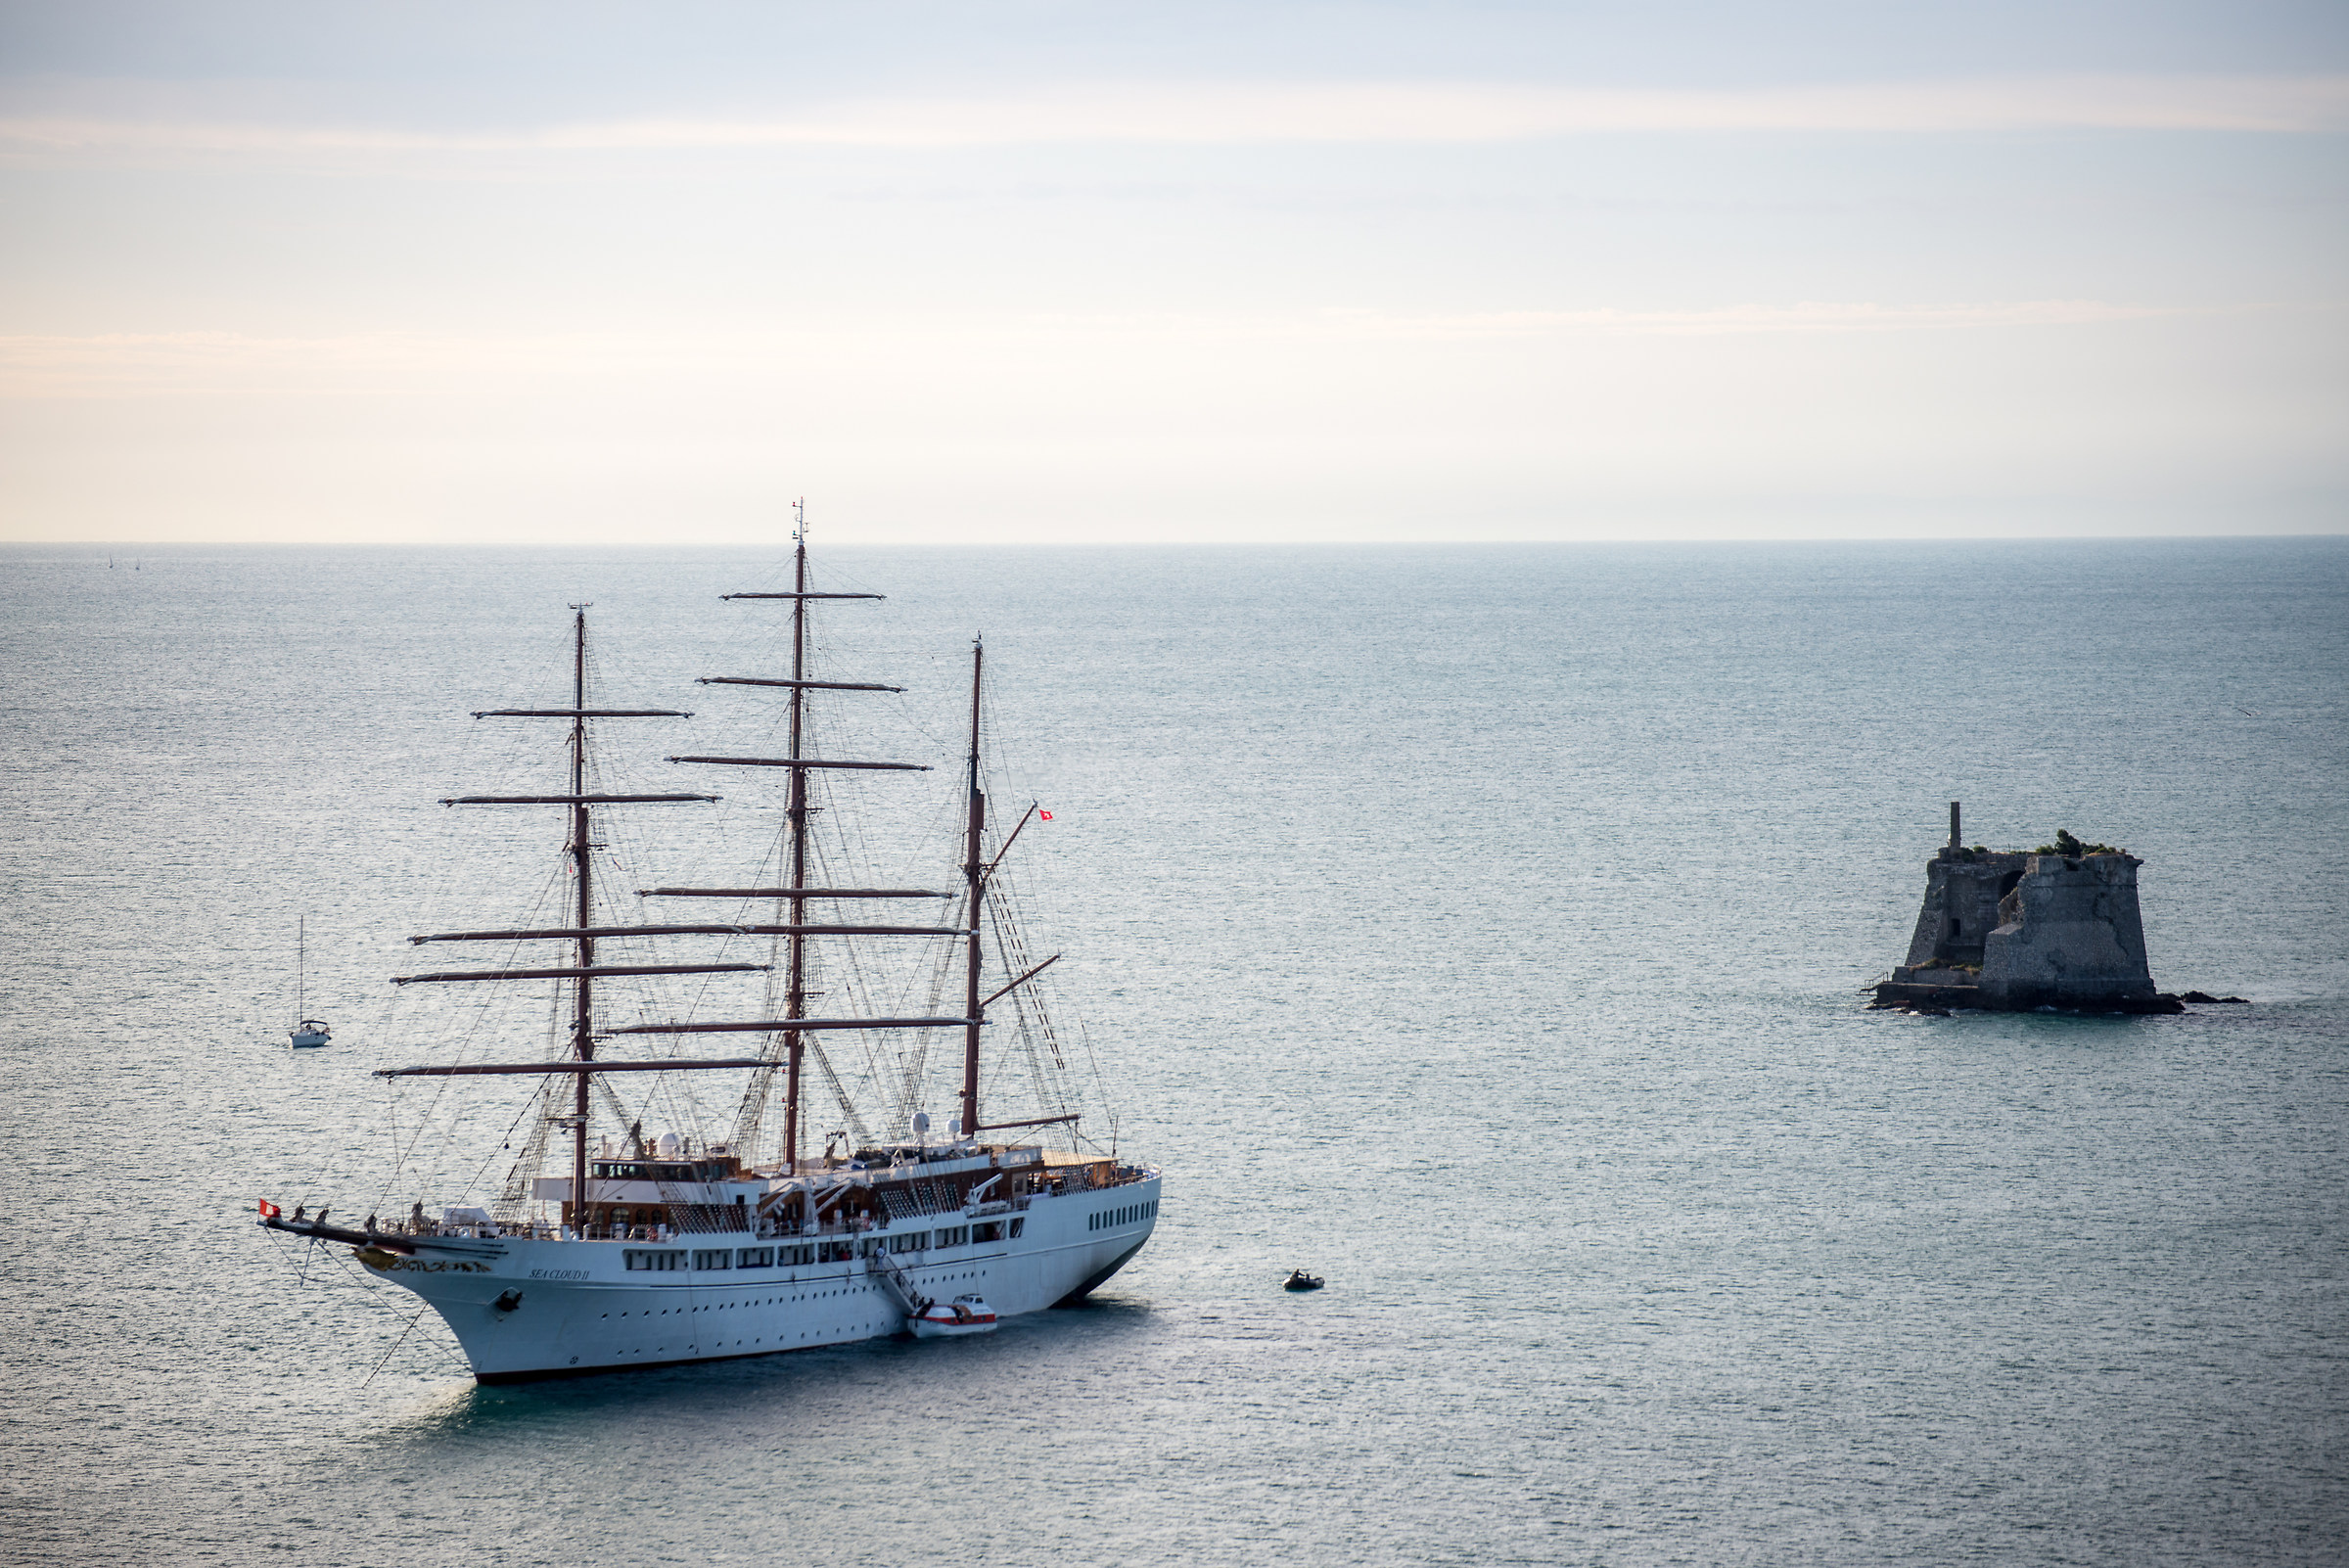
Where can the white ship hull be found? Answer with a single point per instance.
(525, 1308)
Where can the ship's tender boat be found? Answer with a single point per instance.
(950, 1319)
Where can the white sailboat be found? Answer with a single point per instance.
(657, 1250)
(308, 1032)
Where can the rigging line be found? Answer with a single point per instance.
(421, 1308)
(848, 1108)
(479, 1014)
(750, 1112)
(1016, 949)
(529, 1105)
(279, 1242)
(620, 1111)
(871, 1046)
(522, 1177)
(373, 1295)
(1010, 890)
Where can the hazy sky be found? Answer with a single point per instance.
(503, 270)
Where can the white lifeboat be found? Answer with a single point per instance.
(948, 1319)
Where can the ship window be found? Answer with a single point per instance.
(714, 1257)
(659, 1260)
(911, 1241)
(992, 1230)
(952, 1236)
(755, 1258)
(793, 1257)
(1018, 1224)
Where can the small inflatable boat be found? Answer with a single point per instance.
(946, 1320)
(1298, 1279)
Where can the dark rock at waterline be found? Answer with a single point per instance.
(2205, 999)
(1940, 1002)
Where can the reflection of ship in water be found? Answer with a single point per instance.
(681, 1247)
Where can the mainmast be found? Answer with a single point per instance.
(795, 1024)
(974, 875)
(794, 911)
(583, 1027)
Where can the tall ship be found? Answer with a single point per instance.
(655, 1248)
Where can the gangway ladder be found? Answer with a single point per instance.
(899, 1283)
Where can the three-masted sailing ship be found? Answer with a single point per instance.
(653, 1250)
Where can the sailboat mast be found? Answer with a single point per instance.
(974, 873)
(795, 1003)
(302, 1003)
(583, 1027)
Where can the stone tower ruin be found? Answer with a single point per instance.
(2012, 930)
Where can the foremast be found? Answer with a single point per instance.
(583, 971)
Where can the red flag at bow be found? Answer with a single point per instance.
(268, 1209)
(1046, 816)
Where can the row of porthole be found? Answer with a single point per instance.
(1133, 1214)
(658, 1348)
(768, 1302)
(772, 1299)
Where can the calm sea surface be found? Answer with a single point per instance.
(1482, 927)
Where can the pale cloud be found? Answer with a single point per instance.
(1237, 113)
(1807, 316)
(36, 366)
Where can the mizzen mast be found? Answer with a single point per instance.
(974, 874)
